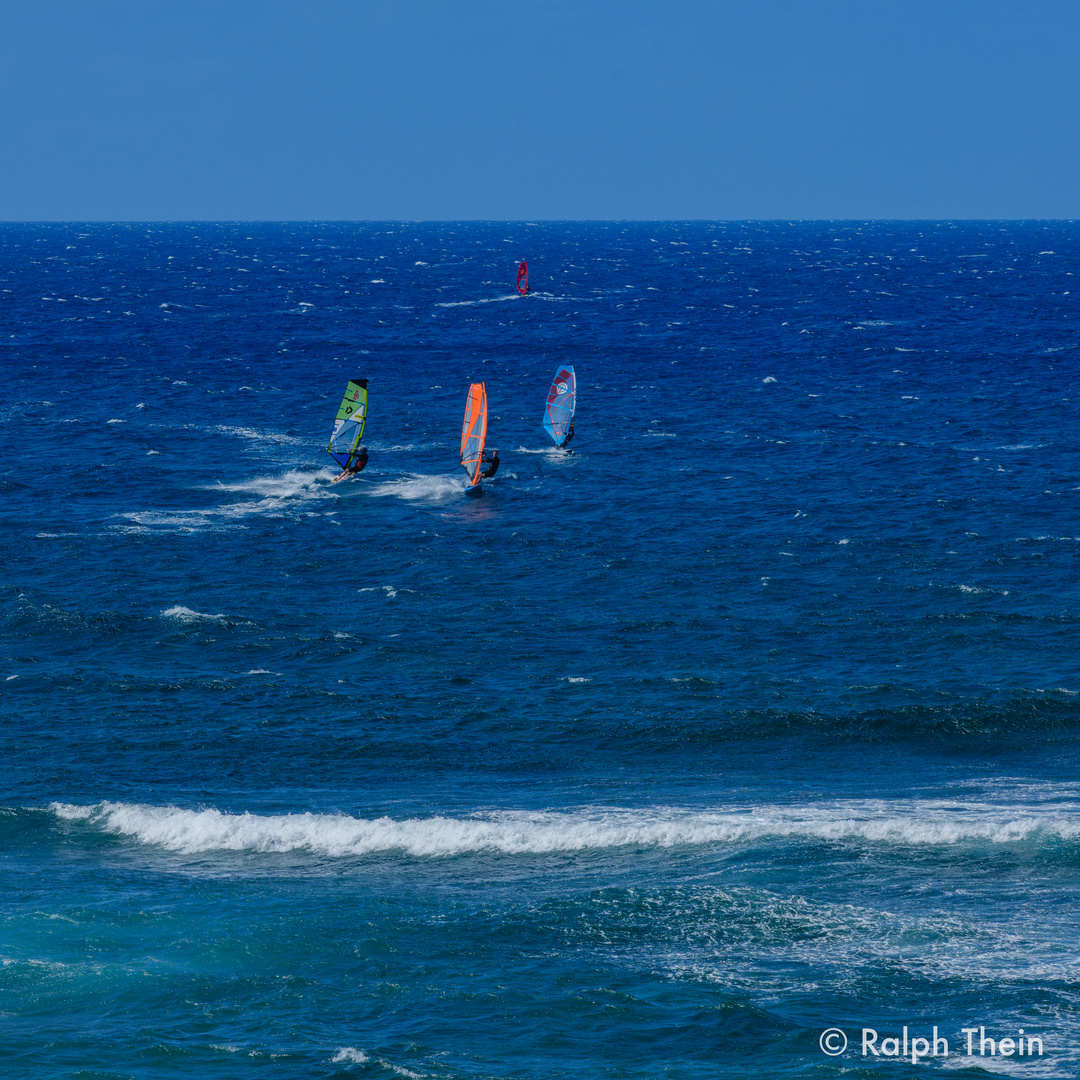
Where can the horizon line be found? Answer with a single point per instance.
(529, 222)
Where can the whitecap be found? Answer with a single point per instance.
(261, 435)
(349, 1055)
(187, 616)
(903, 822)
(400, 1070)
(390, 591)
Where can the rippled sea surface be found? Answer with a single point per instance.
(754, 717)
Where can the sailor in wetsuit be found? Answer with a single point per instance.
(569, 436)
(357, 465)
(492, 464)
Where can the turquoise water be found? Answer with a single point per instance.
(754, 717)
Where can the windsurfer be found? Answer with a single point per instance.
(492, 464)
(569, 436)
(356, 465)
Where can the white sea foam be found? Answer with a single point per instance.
(294, 484)
(488, 300)
(419, 486)
(186, 616)
(400, 1070)
(151, 521)
(261, 435)
(912, 822)
(282, 494)
(350, 1055)
(390, 591)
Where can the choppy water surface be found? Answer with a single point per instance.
(754, 717)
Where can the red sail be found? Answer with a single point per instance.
(523, 278)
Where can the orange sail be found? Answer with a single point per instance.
(474, 432)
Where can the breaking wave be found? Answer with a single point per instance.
(518, 832)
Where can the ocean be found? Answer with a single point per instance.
(740, 742)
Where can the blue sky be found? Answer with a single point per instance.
(539, 109)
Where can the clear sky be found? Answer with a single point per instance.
(539, 109)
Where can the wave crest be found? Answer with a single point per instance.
(518, 832)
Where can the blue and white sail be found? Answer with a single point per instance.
(561, 402)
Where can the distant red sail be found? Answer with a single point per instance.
(523, 278)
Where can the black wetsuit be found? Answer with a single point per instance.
(569, 436)
(492, 469)
(358, 465)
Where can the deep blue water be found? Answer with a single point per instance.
(755, 716)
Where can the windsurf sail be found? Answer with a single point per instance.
(523, 278)
(561, 402)
(474, 432)
(349, 425)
